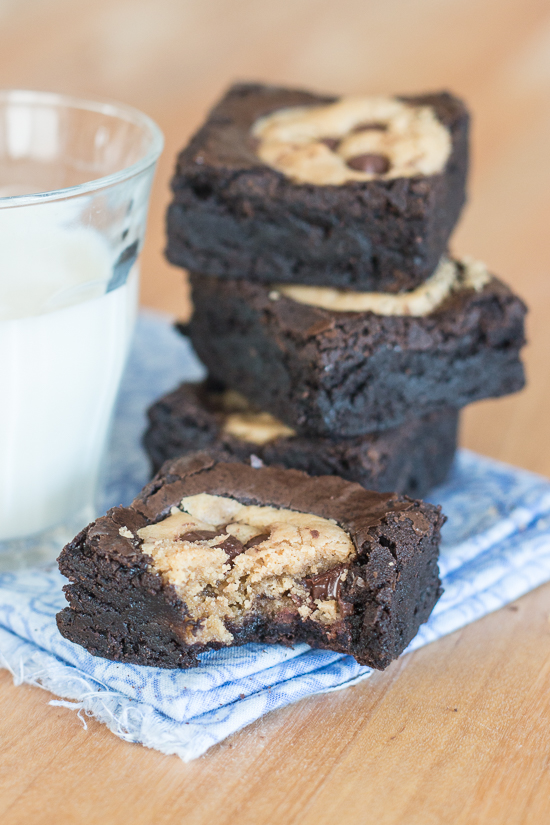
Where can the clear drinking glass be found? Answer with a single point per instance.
(75, 178)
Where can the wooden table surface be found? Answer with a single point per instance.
(457, 732)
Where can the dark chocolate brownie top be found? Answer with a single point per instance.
(353, 508)
(225, 140)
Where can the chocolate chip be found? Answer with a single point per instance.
(198, 535)
(325, 586)
(371, 163)
(232, 546)
(332, 143)
(368, 126)
(256, 540)
(314, 534)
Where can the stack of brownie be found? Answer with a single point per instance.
(339, 335)
(341, 339)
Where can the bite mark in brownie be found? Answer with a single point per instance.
(350, 373)
(214, 553)
(217, 582)
(410, 459)
(234, 216)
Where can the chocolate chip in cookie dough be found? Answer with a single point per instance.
(232, 546)
(332, 143)
(256, 540)
(370, 126)
(369, 162)
(325, 586)
(198, 535)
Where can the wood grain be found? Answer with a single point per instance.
(457, 732)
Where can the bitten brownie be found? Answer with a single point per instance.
(368, 205)
(410, 459)
(215, 553)
(348, 373)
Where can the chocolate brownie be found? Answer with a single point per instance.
(215, 553)
(368, 205)
(410, 459)
(347, 373)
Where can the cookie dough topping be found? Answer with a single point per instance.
(224, 558)
(256, 428)
(353, 139)
(450, 276)
(247, 423)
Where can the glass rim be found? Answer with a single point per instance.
(108, 107)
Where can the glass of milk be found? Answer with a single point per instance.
(75, 177)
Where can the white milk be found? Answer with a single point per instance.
(63, 345)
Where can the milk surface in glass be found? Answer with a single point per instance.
(64, 338)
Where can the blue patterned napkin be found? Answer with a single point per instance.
(496, 547)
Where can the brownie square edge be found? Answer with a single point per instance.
(411, 459)
(351, 373)
(122, 608)
(234, 216)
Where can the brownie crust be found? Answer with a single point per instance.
(121, 609)
(408, 460)
(235, 217)
(350, 373)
